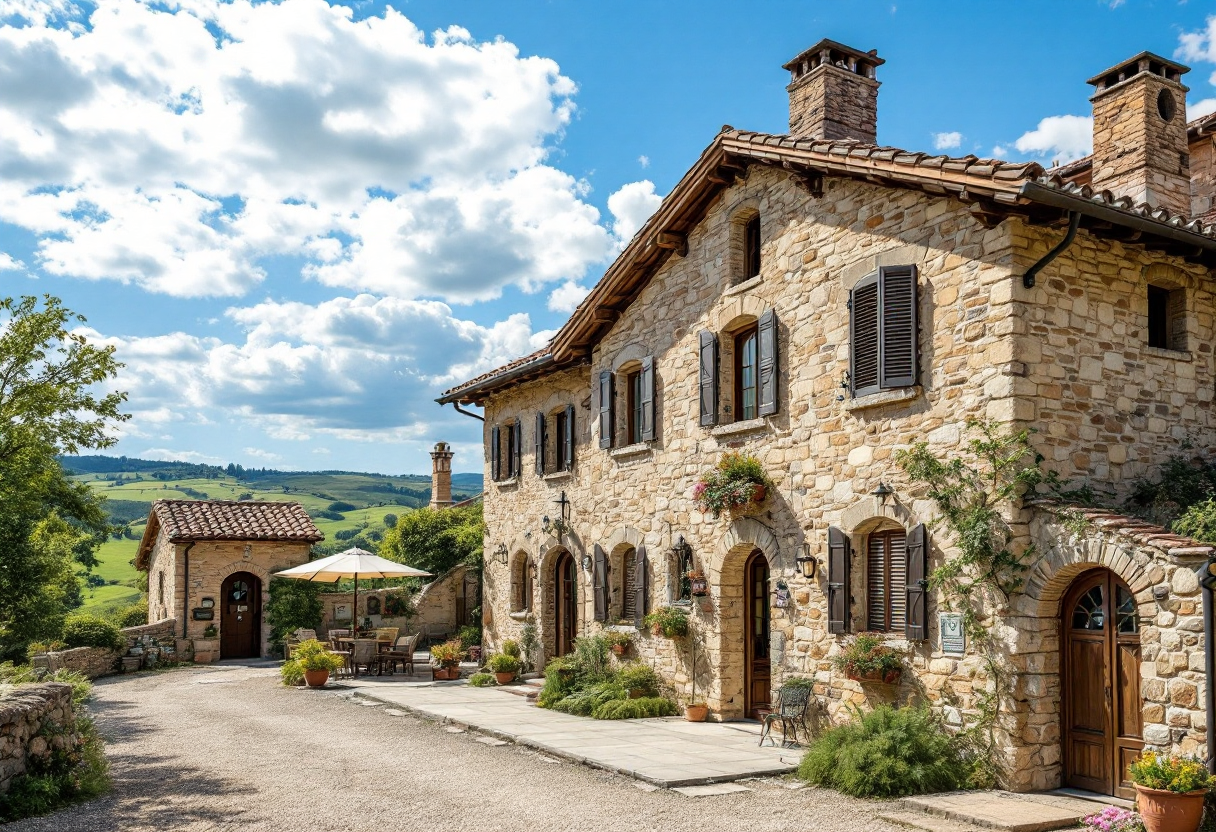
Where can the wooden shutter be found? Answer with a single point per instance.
(916, 587)
(568, 438)
(599, 577)
(607, 423)
(517, 452)
(838, 581)
(766, 343)
(709, 378)
(863, 336)
(877, 576)
(641, 586)
(648, 430)
(495, 457)
(540, 444)
(897, 298)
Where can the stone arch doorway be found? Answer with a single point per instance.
(1100, 679)
(565, 607)
(757, 665)
(241, 616)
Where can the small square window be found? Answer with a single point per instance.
(1166, 318)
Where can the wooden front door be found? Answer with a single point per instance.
(241, 617)
(1100, 676)
(565, 610)
(758, 684)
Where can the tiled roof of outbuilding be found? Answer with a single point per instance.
(192, 520)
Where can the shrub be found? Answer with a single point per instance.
(887, 752)
(638, 676)
(646, 707)
(1199, 521)
(293, 605)
(560, 680)
(134, 615)
(481, 680)
(669, 621)
(584, 702)
(447, 654)
(511, 647)
(504, 663)
(291, 672)
(313, 655)
(340, 506)
(390, 521)
(470, 636)
(84, 630)
(346, 534)
(68, 775)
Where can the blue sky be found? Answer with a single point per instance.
(300, 222)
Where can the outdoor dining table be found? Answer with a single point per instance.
(383, 648)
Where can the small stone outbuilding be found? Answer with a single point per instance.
(209, 564)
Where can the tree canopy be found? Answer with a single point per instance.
(436, 539)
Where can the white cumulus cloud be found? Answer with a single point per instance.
(631, 206)
(1199, 46)
(1061, 138)
(567, 297)
(947, 141)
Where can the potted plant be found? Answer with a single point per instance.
(738, 484)
(446, 658)
(1170, 790)
(667, 621)
(316, 661)
(639, 679)
(504, 667)
(867, 659)
(618, 641)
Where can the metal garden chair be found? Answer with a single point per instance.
(793, 701)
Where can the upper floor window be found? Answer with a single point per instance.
(637, 422)
(742, 384)
(751, 248)
(506, 442)
(564, 433)
(554, 441)
(634, 398)
(883, 330)
(1166, 318)
(744, 241)
(746, 374)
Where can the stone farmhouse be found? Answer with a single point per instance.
(209, 564)
(819, 300)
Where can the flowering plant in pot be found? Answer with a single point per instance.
(667, 621)
(316, 661)
(504, 667)
(618, 641)
(738, 484)
(867, 659)
(446, 658)
(1170, 790)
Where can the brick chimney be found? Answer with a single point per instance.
(833, 93)
(1140, 145)
(441, 475)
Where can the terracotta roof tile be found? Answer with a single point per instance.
(185, 520)
(1125, 204)
(1134, 529)
(498, 371)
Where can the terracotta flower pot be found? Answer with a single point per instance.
(697, 713)
(618, 649)
(876, 677)
(504, 678)
(1165, 811)
(316, 678)
(443, 674)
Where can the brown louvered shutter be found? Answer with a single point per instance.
(766, 338)
(641, 586)
(648, 399)
(568, 439)
(838, 581)
(709, 378)
(495, 456)
(606, 403)
(517, 449)
(897, 293)
(540, 444)
(599, 577)
(863, 336)
(916, 586)
(877, 576)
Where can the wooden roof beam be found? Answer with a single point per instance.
(673, 241)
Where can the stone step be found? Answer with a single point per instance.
(1002, 810)
(921, 820)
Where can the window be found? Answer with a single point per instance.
(564, 433)
(745, 374)
(886, 561)
(506, 442)
(554, 446)
(883, 331)
(622, 578)
(638, 419)
(521, 583)
(751, 248)
(1166, 318)
(633, 388)
(629, 583)
(160, 588)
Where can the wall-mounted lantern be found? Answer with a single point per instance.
(882, 492)
(807, 562)
(500, 553)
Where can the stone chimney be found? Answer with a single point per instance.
(1140, 145)
(441, 475)
(833, 93)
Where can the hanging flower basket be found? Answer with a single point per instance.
(738, 485)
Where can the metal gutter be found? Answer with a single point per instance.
(1074, 221)
(463, 393)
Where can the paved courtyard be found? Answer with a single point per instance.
(228, 748)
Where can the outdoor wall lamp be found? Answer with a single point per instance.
(500, 553)
(586, 563)
(807, 563)
(545, 524)
(882, 492)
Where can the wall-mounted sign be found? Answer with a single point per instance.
(783, 594)
(203, 614)
(207, 603)
(953, 637)
(342, 612)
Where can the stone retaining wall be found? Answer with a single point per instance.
(91, 661)
(34, 721)
(102, 661)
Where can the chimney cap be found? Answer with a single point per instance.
(1143, 62)
(868, 60)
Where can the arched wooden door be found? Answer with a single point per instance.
(757, 666)
(1100, 676)
(241, 616)
(565, 610)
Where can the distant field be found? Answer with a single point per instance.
(133, 491)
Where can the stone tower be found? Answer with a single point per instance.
(441, 475)
(1140, 144)
(833, 93)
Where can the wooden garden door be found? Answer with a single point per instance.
(241, 616)
(565, 610)
(758, 684)
(1100, 675)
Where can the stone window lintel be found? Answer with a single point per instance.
(893, 396)
(739, 288)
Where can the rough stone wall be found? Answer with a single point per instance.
(833, 103)
(1203, 175)
(435, 607)
(91, 661)
(34, 721)
(162, 568)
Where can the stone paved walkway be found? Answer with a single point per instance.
(666, 752)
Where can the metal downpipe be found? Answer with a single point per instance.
(1074, 221)
(459, 409)
(1206, 581)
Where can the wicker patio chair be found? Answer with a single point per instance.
(793, 701)
(365, 654)
(387, 635)
(402, 653)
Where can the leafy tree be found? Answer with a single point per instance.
(293, 604)
(48, 407)
(436, 539)
(1199, 522)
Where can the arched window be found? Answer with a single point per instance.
(521, 583)
(886, 565)
(745, 258)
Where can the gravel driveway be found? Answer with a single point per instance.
(222, 748)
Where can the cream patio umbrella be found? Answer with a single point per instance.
(354, 563)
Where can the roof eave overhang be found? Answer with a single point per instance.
(476, 393)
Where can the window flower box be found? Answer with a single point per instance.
(738, 485)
